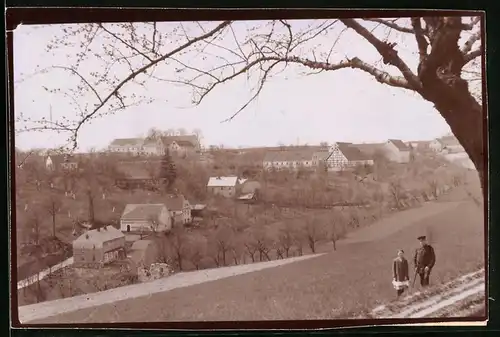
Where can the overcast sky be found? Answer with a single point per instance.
(343, 105)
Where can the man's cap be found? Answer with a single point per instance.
(420, 238)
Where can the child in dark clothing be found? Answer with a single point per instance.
(400, 273)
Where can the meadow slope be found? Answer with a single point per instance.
(340, 284)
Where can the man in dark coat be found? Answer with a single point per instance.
(424, 261)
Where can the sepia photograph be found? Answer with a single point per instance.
(286, 169)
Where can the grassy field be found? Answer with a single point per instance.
(341, 284)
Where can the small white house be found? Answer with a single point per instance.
(225, 186)
(397, 151)
(141, 218)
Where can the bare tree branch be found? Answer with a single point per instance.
(472, 55)
(392, 25)
(141, 70)
(387, 51)
(470, 42)
(419, 36)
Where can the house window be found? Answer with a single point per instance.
(128, 228)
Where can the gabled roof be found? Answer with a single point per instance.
(289, 155)
(222, 181)
(101, 235)
(352, 153)
(369, 148)
(187, 140)
(174, 202)
(127, 142)
(399, 144)
(321, 155)
(142, 211)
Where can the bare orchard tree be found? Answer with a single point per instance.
(34, 223)
(337, 227)
(397, 192)
(221, 240)
(128, 56)
(178, 246)
(285, 238)
(197, 249)
(52, 205)
(314, 232)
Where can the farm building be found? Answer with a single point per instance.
(137, 174)
(180, 209)
(98, 247)
(127, 145)
(345, 155)
(397, 151)
(288, 159)
(224, 186)
(446, 144)
(143, 218)
(143, 253)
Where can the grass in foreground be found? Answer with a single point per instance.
(338, 285)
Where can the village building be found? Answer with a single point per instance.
(447, 144)
(371, 150)
(419, 145)
(198, 211)
(183, 146)
(146, 218)
(319, 158)
(156, 146)
(346, 155)
(137, 174)
(223, 186)
(127, 145)
(143, 253)
(153, 147)
(98, 247)
(249, 186)
(289, 159)
(397, 151)
(180, 209)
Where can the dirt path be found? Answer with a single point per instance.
(51, 308)
(447, 300)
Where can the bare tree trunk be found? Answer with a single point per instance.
(54, 223)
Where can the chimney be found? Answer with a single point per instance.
(87, 236)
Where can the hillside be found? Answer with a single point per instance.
(341, 284)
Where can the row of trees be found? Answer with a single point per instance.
(230, 243)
